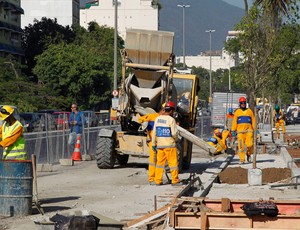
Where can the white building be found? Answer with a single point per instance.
(132, 14)
(223, 61)
(65, 11)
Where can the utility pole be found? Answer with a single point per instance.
(183, 32)
(210, 81)
(116, 45)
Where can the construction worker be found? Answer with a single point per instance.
(164, 138)
(279, 120)
(219, 140)
(149, 119)
(11, 132)
(229, 118)
(243, 124)
(228, 124)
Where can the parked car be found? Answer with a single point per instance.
(50, 111)
(47, 122)
(91, 118)
(103, 117)
(32, 121)
(61, 119)
(289, 118)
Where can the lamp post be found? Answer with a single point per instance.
(115, 44)
(183, 31)
(210, 91)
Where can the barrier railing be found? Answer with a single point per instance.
(51, 145)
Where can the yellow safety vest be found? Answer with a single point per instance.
(17, 150)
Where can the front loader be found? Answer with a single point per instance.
(148, 81)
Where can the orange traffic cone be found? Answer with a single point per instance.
(76, 154)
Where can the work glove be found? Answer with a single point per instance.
(233, 134)
(154, 148)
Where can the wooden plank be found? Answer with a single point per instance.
(218, 220)
(225, 205)
(203, 220)
(149, 217)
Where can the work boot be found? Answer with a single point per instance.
(177, 184)
(249, 159)
(241, 162)
(151, 183)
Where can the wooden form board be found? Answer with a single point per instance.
(227, 214)
(214, 220)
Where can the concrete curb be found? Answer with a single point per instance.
(213, 171)
(290, 164)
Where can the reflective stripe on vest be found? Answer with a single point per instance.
(17, 150)
(244, 119)
(150, 125)
(213, 140)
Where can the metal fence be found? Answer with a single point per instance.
(203, 127)
(51, 145)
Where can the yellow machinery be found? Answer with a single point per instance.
(148, 81)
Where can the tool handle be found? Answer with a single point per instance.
(33, 160)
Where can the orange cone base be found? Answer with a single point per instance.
(76, 154)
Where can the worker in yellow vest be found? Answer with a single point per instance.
(219, 140)
(11, 132)
(243, 125)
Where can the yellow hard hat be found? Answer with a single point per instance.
(6, 111)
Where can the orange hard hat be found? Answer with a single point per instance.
(242, 99)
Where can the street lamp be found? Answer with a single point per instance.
(115, 44)
(183, 31)
(210, 93)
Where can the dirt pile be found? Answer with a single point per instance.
(239, 175)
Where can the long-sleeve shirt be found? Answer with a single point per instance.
(243, 120)
(79, 119)
(8, 141)
(150, 118)
(165, 133)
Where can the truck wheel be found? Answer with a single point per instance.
(105, 152)
(122, 159)
(186, 161)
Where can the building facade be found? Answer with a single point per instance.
(10, 30)
(133, 14)
(65, 11)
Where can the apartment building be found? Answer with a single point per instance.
(65, 11)
(133, 14)
(10, 30)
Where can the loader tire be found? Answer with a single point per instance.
(186, 161)
(122, 159)
(105, 152)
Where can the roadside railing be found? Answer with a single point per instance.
(50, 146)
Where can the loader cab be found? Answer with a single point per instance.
(187, 88)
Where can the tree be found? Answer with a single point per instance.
(38, 36)
(264, 50)
(81, 71)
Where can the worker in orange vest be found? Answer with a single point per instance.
(228, 124)
(149, 119)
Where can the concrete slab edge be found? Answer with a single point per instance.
(290, 164)
(214, 175)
